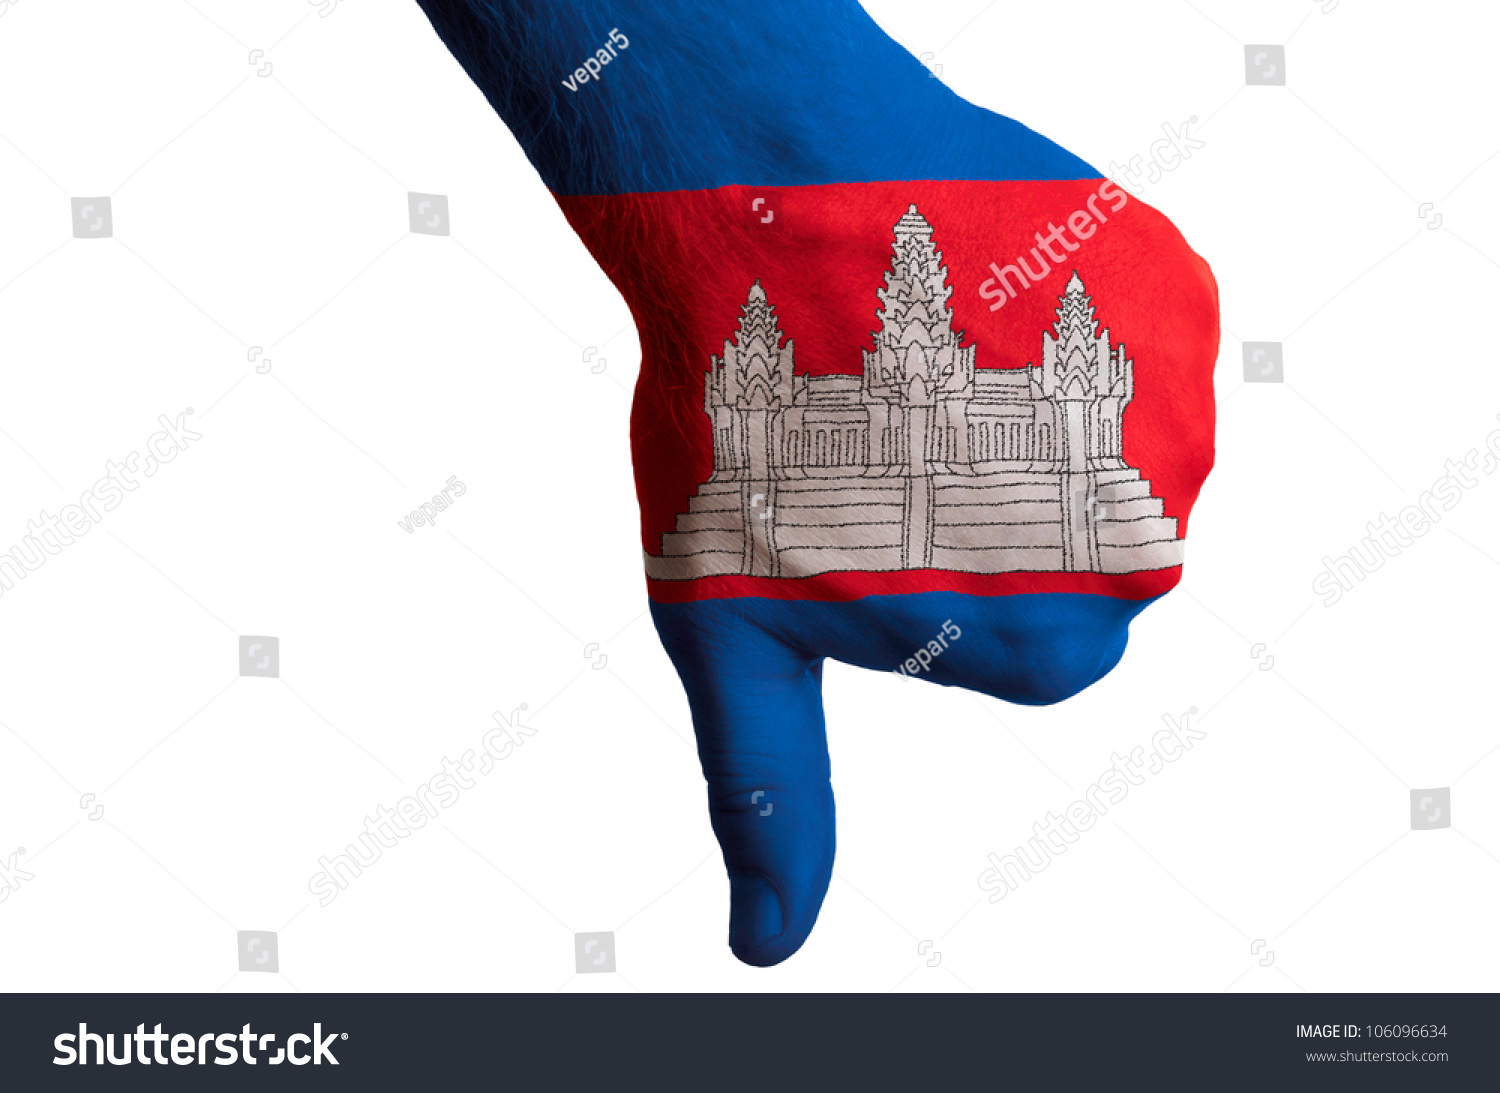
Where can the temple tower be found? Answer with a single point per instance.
(918, 379)
(744, 393)
(1092, 382)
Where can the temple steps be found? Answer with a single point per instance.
(998, 536)
(716, 497)
(847, 490)
(1134, 509)
(1006, 512)
(835, 515)
(790, 537)
(698, 542)
(686, 567)
(1157, 555)
(721, 519)
(997, 559)
(994, 523)
(1123, 491)
(804, 562)
(1131, 533)
(950, 491)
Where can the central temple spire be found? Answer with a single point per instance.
(1077, 333)
(917, 355)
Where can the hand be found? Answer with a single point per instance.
(880, 418)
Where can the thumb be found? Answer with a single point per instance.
(758, 712)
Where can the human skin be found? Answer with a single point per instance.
(657, 159)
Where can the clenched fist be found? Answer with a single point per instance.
(920, 391)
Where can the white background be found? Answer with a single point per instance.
(271, 211)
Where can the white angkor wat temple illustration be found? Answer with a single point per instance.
(922, 462)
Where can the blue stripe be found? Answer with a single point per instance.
(1029, 649)
(711, 93)
(752, 668)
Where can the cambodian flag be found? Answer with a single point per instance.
(920, 390)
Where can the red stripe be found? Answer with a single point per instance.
(684, 261)
(854, 585)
